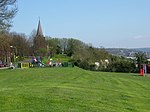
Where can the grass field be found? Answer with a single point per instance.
(72, 90)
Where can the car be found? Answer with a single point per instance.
(1, 65)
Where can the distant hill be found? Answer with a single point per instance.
(127, 52)
(143, 49)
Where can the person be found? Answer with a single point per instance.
(35, 60)
(1, 62)
(12, 66)
(51, 62)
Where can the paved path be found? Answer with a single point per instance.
(4, 68)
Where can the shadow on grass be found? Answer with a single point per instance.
(138, 75)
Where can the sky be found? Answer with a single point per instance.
(102, 23)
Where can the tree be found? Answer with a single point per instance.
(39, 44)
(71, 47)
(140, 58)
(8, 10)
(20, 42)
(63, 44)
(120, 64)
(52, 45)
(4, 47)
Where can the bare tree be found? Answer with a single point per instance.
(8, 10)
(20, 42)
(4, 48)
(39, 45)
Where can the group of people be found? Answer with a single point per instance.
(52, 63)
(37, 61)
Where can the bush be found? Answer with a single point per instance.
(82, 64)
(121, 66)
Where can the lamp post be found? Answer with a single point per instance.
(14, 53)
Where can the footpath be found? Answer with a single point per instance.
(2, 68)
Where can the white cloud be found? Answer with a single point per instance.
(139, 37)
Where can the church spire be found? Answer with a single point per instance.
(39, 29)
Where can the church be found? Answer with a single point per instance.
(39, 42)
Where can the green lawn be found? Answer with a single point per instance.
(72, 90)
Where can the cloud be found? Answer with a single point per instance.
(139, 37)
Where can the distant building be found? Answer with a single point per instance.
(39, 41)
(39, 30)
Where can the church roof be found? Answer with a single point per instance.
(39, 29)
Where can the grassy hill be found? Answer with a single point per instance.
(72, 90)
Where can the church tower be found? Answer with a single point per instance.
(39, 42)
(39, 29)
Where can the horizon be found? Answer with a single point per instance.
(111, 24)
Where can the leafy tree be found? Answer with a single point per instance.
(52, 44)
(63, 44)
(8, 10)
(70, 47)
(120, 64)
(140, 58)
